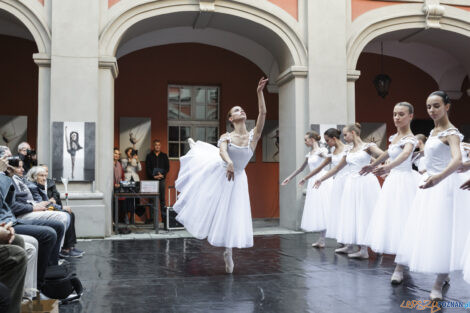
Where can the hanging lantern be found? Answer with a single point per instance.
(382, 81)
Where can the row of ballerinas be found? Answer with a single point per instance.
(422, 219)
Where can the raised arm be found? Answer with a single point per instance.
(224, 155)
(331, 172)
(295, 173)
(66, 139)
(258, 130)
(325, 162)
(454, 164)
(407, 150)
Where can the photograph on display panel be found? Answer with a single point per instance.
(134, 132)
(376, 133)
(13, 131)
(271, 141)
(73, 151)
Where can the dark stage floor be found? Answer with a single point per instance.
(282, 273)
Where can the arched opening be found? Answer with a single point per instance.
(18, 83)
(418, 61)
(195, 52)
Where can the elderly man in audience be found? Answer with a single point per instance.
(38, 183)
(27, 155)
(45, 232)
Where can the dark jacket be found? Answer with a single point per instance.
(7, 194)
(157, 162)
(52, 191)
(21, 204)
(39, 194)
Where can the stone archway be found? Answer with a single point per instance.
(251, 24)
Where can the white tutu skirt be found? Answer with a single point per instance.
(334, 207)
(314, 216)
(435, 234)
(210, 206)
(358, 200)
(466, 261)
(390, 214)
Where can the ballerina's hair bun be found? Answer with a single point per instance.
(313, 134)
(356, 127)
(332, 132)
(442, 94)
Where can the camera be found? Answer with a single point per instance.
(134, 152)
(14, 161)
(30, 152)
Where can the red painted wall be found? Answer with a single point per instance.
(291, 6)
(141, 91)
(359, 7)
(19, 82)
(409, 83)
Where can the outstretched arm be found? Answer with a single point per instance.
(331, 172)
(325, 162)
(407, 150)
(261, 114)
(369, 168)
(66, 139)
(295, 173)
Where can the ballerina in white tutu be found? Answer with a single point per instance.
(359, 195)
(214, 202)
(316, 200)
(399, 189)
(433, 237)
(332, 138)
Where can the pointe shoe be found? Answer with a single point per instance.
(361, 254)
(191, 142)
(228, 262)
(436, 295)
(347, 249)
(319, 244)
(397, 278)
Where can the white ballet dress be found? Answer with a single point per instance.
(435, 233)
(336, 192)
(395, 199)
(314, 216)
(358, 199)
(209, 205)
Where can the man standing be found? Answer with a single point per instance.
(118, 177)
(157, 166)
(27, 155)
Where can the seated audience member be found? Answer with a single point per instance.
(37, 178)
(27, 155)
(4, 297)
(44, 231)
(13, 264)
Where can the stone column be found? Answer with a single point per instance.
(352, 76)
(43, 143)
(327, 21)
(293, 123)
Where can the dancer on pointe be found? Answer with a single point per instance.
(332, 138)
(431, 241)
(359, 194)
(399, 189)
(316, 200)
(214, 202)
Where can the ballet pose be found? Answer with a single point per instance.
(359, 195)
(214, 202)
(432, 238)
(398, 191)
(72, 147)
(316, 200)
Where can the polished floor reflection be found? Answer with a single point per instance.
(281, 273)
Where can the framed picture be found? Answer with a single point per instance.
(375, 132)
(13, 131)
(271, 141)
(134, 132)
(73, 151)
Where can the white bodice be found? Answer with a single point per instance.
(336, 158)
(316, 158)
(358, 159)
(394, 150)
(437, 154)
(240, 156)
